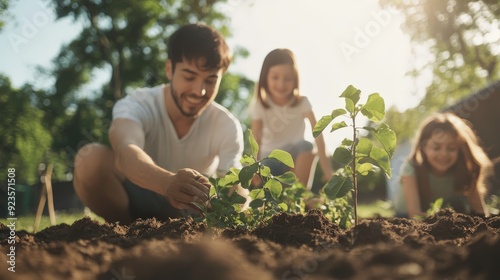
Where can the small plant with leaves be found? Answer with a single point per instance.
(267, 200)
(435, 207)
(338, 210)
(225, 206)
(360, 155)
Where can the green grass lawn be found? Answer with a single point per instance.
(27, 222)
(380, 208)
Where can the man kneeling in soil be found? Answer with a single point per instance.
(165, 139)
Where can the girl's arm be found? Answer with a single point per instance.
(256, 127)
(412, 198)
(324, 159)
(477, 203)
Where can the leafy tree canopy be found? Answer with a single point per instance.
(4, 5)
(125, 40)
(462, 36)
(24, 138)
(129, 41)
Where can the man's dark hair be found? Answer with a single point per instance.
(193, 41)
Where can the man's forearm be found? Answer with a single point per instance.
(139, 168)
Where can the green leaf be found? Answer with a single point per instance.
(370, 128)
(274, 187)
(435, 206)
(283, 206)
(229, 179)
(338, 125)
(321, 125)
(253, 144)
(236, 208)
(346, 187)
(247, 173)
(247, 160)
(257, 194)
(364, 168)
(212, 192)
(351, 95)
(338, 186)
(349, 105)
(283, 157)
(213, 181)
(217, 206)
(338, 112)
(265, 171)
(374, 109)
(346, 142)
(387, 138)
(236, 198)
(342, 155)
(287, 178)
(382, 159)
(364, 147)
(256, 203)
(234, 170)
(224, 191)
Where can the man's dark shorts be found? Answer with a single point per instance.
(147, 204)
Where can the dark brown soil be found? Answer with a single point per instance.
(444, 246)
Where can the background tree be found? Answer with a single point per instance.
(4, 5)
(24, 138)
(127, 41)
(462, 37)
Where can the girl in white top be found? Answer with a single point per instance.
(278, 115)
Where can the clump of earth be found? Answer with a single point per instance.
(447, 245)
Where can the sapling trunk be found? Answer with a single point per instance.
(263, 180)
(354, 180)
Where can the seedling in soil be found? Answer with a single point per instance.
(225, 206)
(435, 207)
(360, 155)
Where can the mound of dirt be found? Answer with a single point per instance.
(446, 245)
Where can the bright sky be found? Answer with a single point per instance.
(336, 43)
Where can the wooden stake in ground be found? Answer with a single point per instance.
(46, 194)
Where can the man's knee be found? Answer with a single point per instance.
(92, 157)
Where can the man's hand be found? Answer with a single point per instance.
(185, 187)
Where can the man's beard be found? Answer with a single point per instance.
(178, 104)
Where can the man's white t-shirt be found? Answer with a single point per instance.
(282, 125)
(212, 146)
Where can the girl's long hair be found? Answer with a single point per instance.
(472, 166)
(277, 57)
